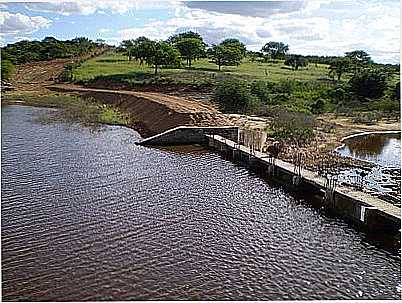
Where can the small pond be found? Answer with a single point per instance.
(382, 149)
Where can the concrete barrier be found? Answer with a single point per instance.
(190, 135)
(357, 207)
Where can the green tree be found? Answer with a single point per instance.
(369, 84)
(190, 48)
(234, 96)
(339, 67)
(276, 50)
(358, 59)
(7, 69)
(235, 43)
(83, 45)
(142, 48)
(223, 55)
(396, 92)
(175, 38)
(163, 54)
(296, 61)
(128, 46)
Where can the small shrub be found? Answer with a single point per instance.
(396, 92)
(263, 90)
(7, 69)
(369, 84)
(368, 118)
(386, 105)
(235, 96)
(297, 128)
(318, 106)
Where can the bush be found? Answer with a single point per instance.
(396, 92)
(368, 118)
(318, 106)
(235, 96)
(263, 90)
(7, 69)
(295, 127)
(386, 105)
(369, 84)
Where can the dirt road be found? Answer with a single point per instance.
(154, 112)
(34, 77)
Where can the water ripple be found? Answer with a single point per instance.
(91, 216)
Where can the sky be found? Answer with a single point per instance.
(313, 27)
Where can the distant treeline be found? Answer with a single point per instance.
(49, 48)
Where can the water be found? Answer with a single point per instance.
(91, 216)
(382, 149)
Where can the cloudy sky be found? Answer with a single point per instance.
(321, 27)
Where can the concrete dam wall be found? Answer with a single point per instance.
(191, 135)
(356, 207)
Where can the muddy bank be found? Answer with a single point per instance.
(152, 113)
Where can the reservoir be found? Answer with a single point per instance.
(380, 148)
(90, 215)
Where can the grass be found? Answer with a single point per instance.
(116, 67)
(73, 109)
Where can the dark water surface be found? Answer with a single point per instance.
(383, 149)
(92, 216)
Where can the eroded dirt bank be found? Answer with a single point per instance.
(152, 112)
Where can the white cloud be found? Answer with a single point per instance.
(18, 23)
(319, 27)
(215, 27)
(88, 7)
(262, 9)
(103, 30)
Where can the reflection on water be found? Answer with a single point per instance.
(92, 216)
(383, 149)
(384, 179)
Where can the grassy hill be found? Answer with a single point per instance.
(116, 67)
(312, 92)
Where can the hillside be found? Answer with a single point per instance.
(115, 66)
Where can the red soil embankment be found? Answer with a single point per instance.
(155, 112)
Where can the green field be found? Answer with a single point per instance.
(116, 67)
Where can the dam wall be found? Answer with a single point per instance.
(182, 135)
(356, 207)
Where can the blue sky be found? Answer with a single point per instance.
(318, 27)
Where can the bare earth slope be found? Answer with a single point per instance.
(155, 112)
(152, 112)
(33, 77)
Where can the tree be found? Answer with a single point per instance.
(224, 55)
(141, 49)
(359, 59)
(163, 54)
(190, 48)
(369, 84)
(275, 50)
(296, 61)
(175, 38)
(234, 96)
(396, 92)
(7, 69)
(235, 43)
(339, 67)
(254, 55)
(82, 44)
